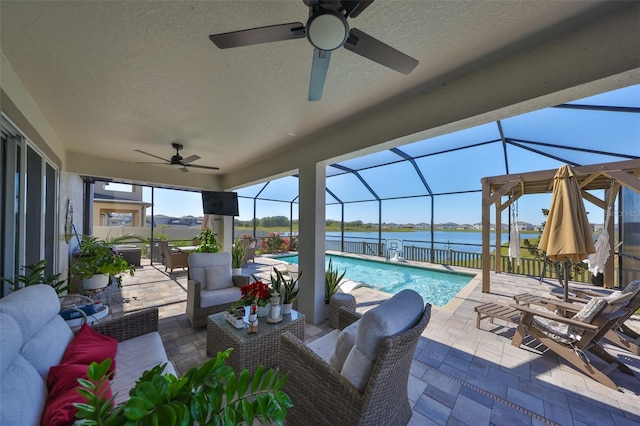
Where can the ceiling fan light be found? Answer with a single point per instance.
(327, 30)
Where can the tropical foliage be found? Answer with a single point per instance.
(332, 281)
(34, 274)
(211, 394)
(287, 286)
(98, 256)
(207, 242)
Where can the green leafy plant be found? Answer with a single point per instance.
(98, 256)
(208, 242)
(287, 286)
(34, 274)
(237, 254)
(211, 394)
(332, 281)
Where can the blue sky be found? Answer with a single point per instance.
(455, 171)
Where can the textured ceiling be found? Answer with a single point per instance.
(111, 77)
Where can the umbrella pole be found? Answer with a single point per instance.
(566, 281)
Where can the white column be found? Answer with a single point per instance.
(311, 246)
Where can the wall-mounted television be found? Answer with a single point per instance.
(220, 203)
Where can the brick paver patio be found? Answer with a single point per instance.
(460, 374)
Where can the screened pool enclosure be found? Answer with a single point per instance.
(434, 185)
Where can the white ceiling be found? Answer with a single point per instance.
(111, 76)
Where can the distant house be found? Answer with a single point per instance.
(118, 204)
(423, 225)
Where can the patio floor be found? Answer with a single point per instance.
(460, 375)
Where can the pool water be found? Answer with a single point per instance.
(435, 287)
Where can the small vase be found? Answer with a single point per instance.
(236, 271)
(263, 311)
(286, 308)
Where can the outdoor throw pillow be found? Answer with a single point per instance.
(344, 343)
(63, 393)
(89, 346)
(218, 277)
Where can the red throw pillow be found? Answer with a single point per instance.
(89, 346)
(63, 393)
(63, 377)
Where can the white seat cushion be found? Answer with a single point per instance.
(219, 297)
(134, 357)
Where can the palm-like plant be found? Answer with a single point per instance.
(289, 288)
(332, 281)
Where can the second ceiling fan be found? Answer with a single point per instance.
(327, 29)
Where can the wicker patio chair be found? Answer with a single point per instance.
(173, 259)
(322, 395)
(214, 301)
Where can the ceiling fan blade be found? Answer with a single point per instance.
(184, 169)
(259, 35)
(190, 159)
(149, 162)
(155, 156)
(375, 50)
(202, 167)
(319, 69)
(354, 8)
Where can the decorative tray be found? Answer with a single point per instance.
(237, 322)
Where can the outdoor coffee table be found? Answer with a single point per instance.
(251, 350)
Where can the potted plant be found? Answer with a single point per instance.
(257, 293)
(288, 288)
(208, 242)
(205, 395)
(34, 274)
(332, 282)
(237, 256)
(97, 262)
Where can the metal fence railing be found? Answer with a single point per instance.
(467, 259)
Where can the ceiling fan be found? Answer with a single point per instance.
(327, 30)
(177, 159)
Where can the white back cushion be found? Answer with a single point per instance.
(47, 346)
(22, 391)
(32, 307)
(391, 317)
(219, 277)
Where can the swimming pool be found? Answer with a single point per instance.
(435, 287)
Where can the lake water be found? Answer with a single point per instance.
(456, 240)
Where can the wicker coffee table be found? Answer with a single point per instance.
(251, 350)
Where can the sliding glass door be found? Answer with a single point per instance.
(29, 205)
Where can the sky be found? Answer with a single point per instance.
(453, 171)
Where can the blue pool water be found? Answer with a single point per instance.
(435, 287)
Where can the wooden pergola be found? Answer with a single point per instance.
(606, 176)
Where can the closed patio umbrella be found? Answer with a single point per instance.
(566, 236)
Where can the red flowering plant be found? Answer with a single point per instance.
(257, 292)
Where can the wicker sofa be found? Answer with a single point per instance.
(33, 338)
(211, 287)
(322, 389)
